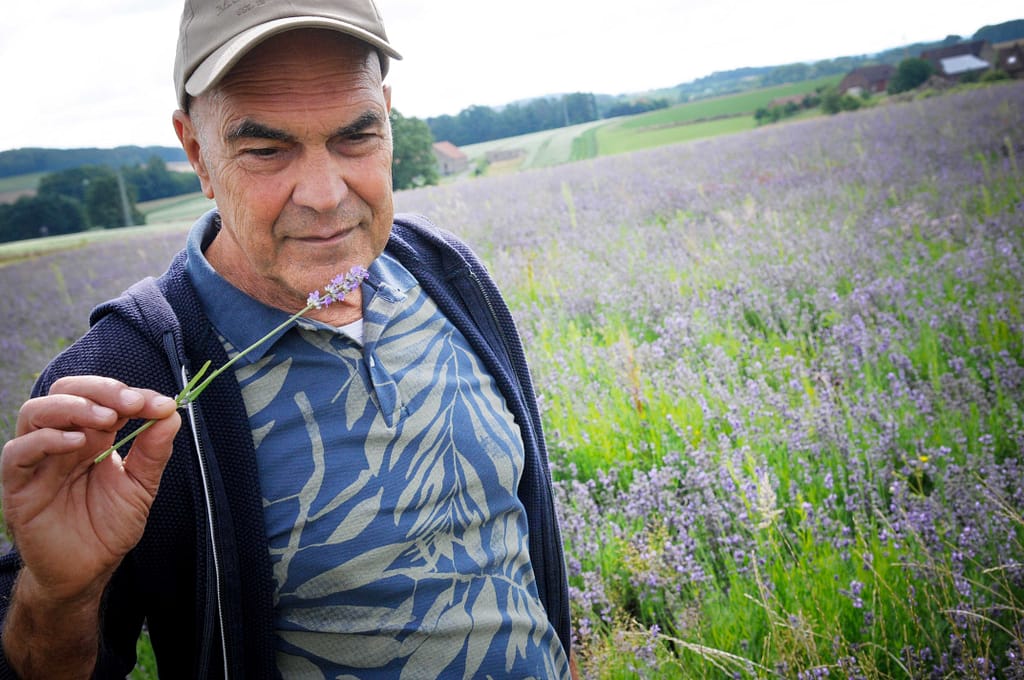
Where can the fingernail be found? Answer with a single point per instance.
(103, 412)
(73, 437)
(161, 401)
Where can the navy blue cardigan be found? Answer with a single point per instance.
(203, 587)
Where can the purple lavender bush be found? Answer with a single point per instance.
(48, 298)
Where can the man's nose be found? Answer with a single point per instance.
(320, 182)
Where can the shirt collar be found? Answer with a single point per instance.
(242, 320)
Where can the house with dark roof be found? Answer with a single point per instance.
(871, 79)
(450, 159)
(956, 61)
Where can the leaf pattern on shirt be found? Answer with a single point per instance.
(422, 502)
(259, 393)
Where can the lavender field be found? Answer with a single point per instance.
(782, 377)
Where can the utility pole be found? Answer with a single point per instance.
(126, 210)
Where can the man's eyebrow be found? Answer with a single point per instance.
(369, 119)
(250, 129)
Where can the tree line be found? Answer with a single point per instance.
(30, 160)
(91, 196)
(483, 123)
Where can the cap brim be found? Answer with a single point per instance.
(215, 66)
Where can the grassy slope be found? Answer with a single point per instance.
(20, 185)
(693, 120)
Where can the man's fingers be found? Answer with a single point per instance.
(91, 402)
(64, 412)
(125, 400)
(75, 422)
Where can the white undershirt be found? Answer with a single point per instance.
(353, 330)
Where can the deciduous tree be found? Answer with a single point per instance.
(414, 163)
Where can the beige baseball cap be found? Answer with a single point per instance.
(215, 34)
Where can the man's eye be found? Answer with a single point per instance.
(261, 152)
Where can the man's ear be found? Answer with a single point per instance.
(387, 97)
(185, 128)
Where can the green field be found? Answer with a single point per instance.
(176, 208)
(744, 103)
(13, 187)
(680, 123)
(613, 139)
(20, 182)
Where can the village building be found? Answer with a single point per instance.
(502, 155)
(450, 159)
(871, 79)
(956, 61)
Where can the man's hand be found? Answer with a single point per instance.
(73, 521)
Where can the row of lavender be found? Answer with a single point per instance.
(47, 301)
(781, 373)
(783, 377)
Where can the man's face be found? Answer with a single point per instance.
(295, 146)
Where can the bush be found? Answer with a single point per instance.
(42, 215)
(832, 102)
(993, 75)
(910, 73)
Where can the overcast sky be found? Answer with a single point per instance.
(78, 74)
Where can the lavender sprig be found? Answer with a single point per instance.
(335, 291)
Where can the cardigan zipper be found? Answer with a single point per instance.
(169, 348)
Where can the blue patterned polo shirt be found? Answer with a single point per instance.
(388, 470)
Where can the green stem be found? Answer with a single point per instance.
(194, 393)
(189, 393)
(139, 430)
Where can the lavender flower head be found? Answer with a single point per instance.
(339, 287)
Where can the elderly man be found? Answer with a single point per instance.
(363, 495)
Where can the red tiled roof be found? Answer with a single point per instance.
(449, 150)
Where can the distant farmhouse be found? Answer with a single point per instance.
(450, 159)
(956, 61)
(870, 79)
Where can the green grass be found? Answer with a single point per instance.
(11, 188)
(185, 208)
(175, 213)
(20, 182)
(615, 138)
(538, 149)
(684, 122)
(726, 106)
